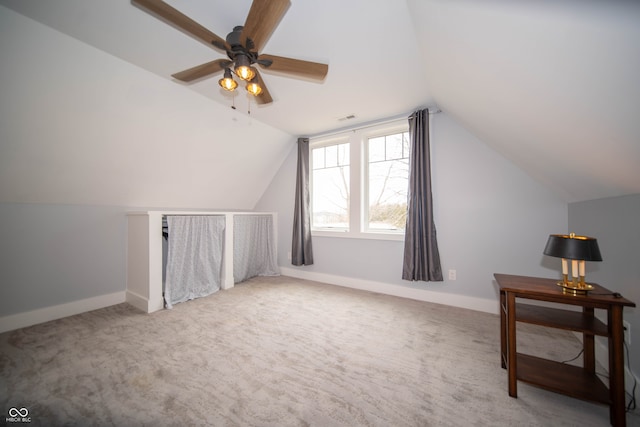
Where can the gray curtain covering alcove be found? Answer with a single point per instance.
(194, 257)
(421, 256)
(301, 247)
(254, 245)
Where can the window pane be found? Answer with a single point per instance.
(330, 192)
(394, 146)
(376, 149)
(318, 158)
(343, 154)
(405, 144)
(388, 182)
(331, 153)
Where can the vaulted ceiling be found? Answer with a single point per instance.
(551, 85)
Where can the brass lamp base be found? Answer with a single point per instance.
(575, 288)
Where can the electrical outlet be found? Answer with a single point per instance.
(289, 256)
(626, 332)
(452, 275)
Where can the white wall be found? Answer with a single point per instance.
(86, 137)
(615, 222)
(78, 126)
(490, 217)
(54, 254)
(545, 83)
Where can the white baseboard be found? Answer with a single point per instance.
(144, 304)
(139, 302)
(455, 300)
(29, 318)
(461, 301)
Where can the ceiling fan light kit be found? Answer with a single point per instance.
(243, 67)
(227, 82)
(253, 86)
(242, 47)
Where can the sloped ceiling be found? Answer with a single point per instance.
(80, 127)
(365, 42)
(552, 85)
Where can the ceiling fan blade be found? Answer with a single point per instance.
(262, 19)
(183, 22)
(296, 67)
(265, 96)
(202, 70)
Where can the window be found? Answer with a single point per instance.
(359, 182)
(330, 195)
(388, 174)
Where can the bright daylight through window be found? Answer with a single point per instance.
(359, 182)
(331, 186)
(388, 173)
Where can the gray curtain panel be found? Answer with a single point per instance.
(421, 256)
(301, 248)
(194, 257)
(254, 248)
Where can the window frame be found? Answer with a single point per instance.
(321, 143)
(358, 180)
(366, 180)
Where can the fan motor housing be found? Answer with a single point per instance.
(242, 45)
(237, 48)
(233, 38)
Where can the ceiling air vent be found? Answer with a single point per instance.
(349, 117)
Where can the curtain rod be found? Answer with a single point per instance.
(432, 110)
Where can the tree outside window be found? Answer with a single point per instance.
(330, 194)
(388, 172)
(359, 182)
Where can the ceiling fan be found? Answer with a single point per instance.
(242, 47)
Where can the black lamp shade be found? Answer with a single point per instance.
(573, 247)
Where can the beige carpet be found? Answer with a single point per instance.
(278, 351)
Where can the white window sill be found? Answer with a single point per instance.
(343, 234)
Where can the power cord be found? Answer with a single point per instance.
(571, 360)
(615, 294)
(631, 406)
(632, 402)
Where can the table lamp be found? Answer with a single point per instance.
(578, 249)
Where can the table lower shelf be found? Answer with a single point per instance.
(561, 378)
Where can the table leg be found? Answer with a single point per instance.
(503, 330)
(511, 344)
(616, 366)
(588, 342)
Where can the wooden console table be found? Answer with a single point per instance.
(581, 383)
